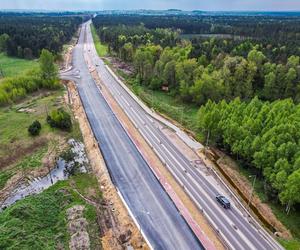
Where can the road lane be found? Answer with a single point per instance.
(154, 211)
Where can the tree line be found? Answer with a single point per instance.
(124, 40)
(25, 36)
(197, 80)
(204, 69)
(273, 31)
(265, 135)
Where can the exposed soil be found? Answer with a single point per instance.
(48, 163)
(77, 227)
(117, 227)
(67, 56)
(17, 151)
(119, 64)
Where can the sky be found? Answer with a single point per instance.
(208, 5)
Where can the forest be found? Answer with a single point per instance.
(276, 31)
(247, 87)
(25, 36)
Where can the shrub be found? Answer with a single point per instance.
(60, 119)
(13, 89)
(35, 128)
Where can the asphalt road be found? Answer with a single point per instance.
(157, 216)
(233, 226)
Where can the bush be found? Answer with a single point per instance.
(35, 128)
(13, 89)
(60, 119)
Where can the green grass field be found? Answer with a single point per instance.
(290, 244)
(11, 66)
(39, 221)
(14, 123)
(101, 48)
(167, 104)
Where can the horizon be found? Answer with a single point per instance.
(138, 9)
(134, 5)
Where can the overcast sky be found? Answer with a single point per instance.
(272, 5)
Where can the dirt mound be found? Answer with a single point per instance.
(75, 212)
(77, 227)
(80, 240)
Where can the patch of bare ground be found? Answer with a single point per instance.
(77, 227)
(55, 147)
(119, 64)
(67, 55)
(153, 160)
(16, 151)
(220, 161)
(118, 229)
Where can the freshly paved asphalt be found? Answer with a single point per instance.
(232, 225)
(154, 211)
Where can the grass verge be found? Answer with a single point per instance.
(100, 48)
(8, 65)
(169, 105)
(39, 221)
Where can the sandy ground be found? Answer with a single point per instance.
(153, 160)
(121, 221)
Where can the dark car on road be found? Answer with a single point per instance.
(223, 201)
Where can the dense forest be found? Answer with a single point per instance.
(248, 87)
(275, 31)
(25, 36)
(265, 135)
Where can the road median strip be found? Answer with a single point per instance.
(162, 180)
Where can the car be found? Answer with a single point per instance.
(223, 201)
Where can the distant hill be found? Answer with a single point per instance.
(179, 12)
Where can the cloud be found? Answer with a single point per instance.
(277, 5)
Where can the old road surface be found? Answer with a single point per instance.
(158, 219)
